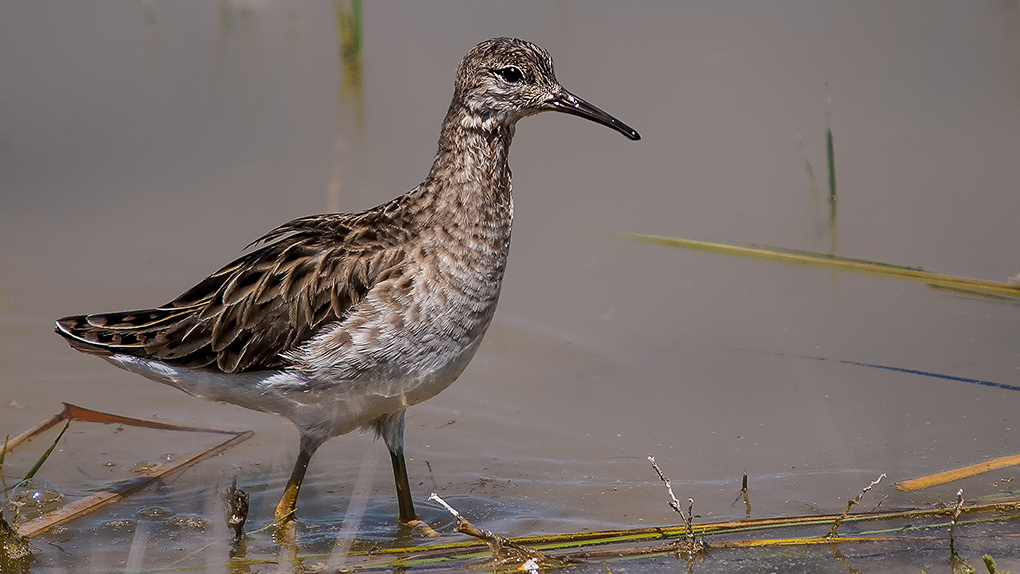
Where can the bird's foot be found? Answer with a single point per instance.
(420, 526)
(286, 531)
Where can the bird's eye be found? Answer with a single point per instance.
(511, 74)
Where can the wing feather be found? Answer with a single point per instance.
(246, 316)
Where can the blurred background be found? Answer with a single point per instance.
(145, 144)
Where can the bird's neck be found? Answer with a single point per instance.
(466, 204)
(471, 169)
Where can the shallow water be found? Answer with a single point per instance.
(143, 145)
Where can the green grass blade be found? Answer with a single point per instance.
(830, 158)
(45, 455)
(838, 263)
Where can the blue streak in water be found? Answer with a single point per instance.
(922, 373)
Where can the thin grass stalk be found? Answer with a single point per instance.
(45, 455)
(839, 263)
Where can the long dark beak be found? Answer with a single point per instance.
(570, 104)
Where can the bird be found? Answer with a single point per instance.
(341, 321)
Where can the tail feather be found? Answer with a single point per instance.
(111, 333)
(134, 320)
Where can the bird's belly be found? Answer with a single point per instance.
(324, 407)
(338, 406)
(408, 339)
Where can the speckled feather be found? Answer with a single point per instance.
(307, 273)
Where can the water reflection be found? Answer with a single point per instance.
(350, 157)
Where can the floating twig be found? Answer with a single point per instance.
(83, 506)
(237, 509)
(834, 531)
(743, 494)
(612, 545)
(948, 476)
(689, 545)
(956, 518)
(504, 551)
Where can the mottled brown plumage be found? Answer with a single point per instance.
(249, 314)
(342, 321)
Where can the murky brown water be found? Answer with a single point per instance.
(144, 144)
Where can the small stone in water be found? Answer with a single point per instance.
(188, 522)
(120, 524)
(61, 534)
(156, 512)
(144, 466)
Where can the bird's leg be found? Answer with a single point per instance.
(391, 428)
(404, 503)
(285, 510)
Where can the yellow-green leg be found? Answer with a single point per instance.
(285, 510)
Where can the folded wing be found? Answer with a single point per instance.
(307, 273)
